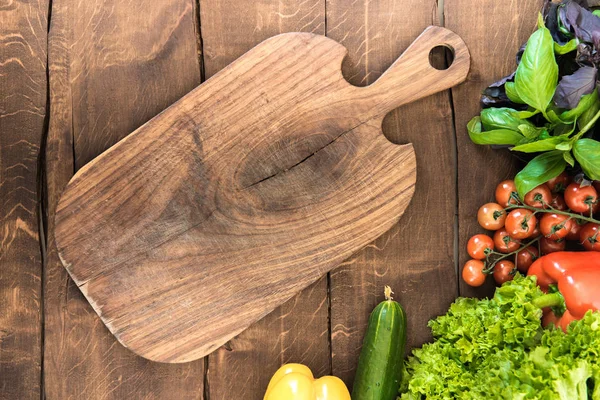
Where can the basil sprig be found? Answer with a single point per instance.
(552, 111)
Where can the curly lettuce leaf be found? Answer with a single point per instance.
(496, 349)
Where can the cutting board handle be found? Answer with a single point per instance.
(412, 76)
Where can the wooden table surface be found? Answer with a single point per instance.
(77, 76)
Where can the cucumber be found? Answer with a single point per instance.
(380, 363)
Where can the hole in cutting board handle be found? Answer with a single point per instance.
(441, 57)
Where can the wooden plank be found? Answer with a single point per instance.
(493, 32)
(298, 330)
(113, 65)
(23, 93)
(416, 257)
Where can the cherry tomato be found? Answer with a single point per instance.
(580, 199)
(549, 318)
(574, 232)
(503, 271)
(505, 192)
(504, 243)
(539, 197)
(558, 202)
(520, 223)
(472, 273)
(536, 231)
(590, 236)
(565, 320)
(560, 183)
(491, 216)
(526, 257)
(548, 246)
(555, 226)
(477, 246)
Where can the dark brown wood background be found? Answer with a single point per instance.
(77, 76)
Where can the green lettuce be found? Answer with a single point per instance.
(496, 349)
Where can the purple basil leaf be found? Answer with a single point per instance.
(495, 95)
(580, 21)
(520, 52)
(502, 81)
(550, 13)
(572, 87)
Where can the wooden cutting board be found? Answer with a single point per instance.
(244, 192)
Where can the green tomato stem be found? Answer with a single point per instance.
(489, 269)
(553, 211)
(549, 300)
(588, 126)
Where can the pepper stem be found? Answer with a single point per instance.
(387, 291)
(549, 300)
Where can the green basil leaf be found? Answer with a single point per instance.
(540, 21)
(530, 131)
(502, 118)
(569, 158)
(564, 129)
(568, 47)
(496, 136)
(590, 112)
(587, 152)
(539, 170)
(585, 103)
(596, 13)
(541, 145)
(553, 117)
(527, 114)
(537, 74)
(564, 146)
(511, 93)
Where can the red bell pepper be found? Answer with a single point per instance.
(576, 275)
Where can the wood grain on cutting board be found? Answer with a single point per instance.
(298, 330)
(113, 66)
(244, 192)
(23, 104)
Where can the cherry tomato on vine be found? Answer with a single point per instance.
(526, 257)
(536, 231)
(574, 232)
(520, 223)
(555, 226)
(548, 246)
(491, 216)
(505, 192)
(558, 202)
(504, 243)
(479, 245)
(549, 318)
(560, 183)
(503, 271)
(590, 236)
(539, 197)
(472, 273)
(580, 199)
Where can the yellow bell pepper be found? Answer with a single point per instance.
(296, 382)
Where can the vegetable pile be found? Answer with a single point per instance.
(551, 216)
(572, 283)
(497, 349)
(549, 106)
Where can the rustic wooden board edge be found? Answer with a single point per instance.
(454, 75)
